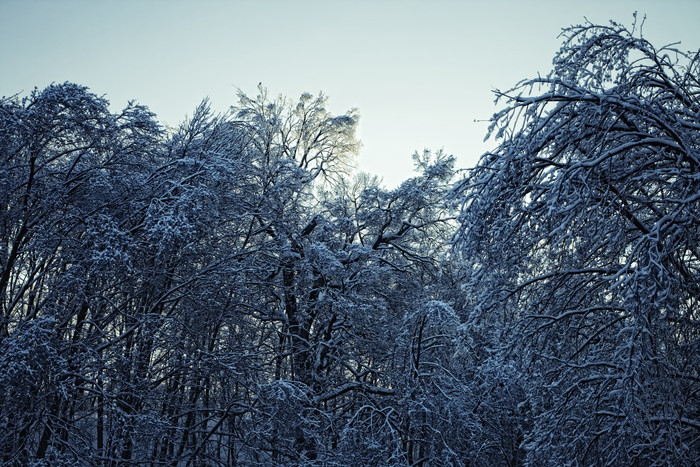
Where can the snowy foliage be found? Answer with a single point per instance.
(227, 293)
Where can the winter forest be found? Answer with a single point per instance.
(229, 292)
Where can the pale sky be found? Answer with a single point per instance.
(420, 73)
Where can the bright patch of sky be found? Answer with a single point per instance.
(420, 73)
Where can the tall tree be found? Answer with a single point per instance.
(61, 201)
(580, 237)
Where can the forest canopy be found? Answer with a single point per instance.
(229, 293)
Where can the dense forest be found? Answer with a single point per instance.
(229, 293)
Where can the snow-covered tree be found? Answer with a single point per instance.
(62, 196)
(580, 235)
